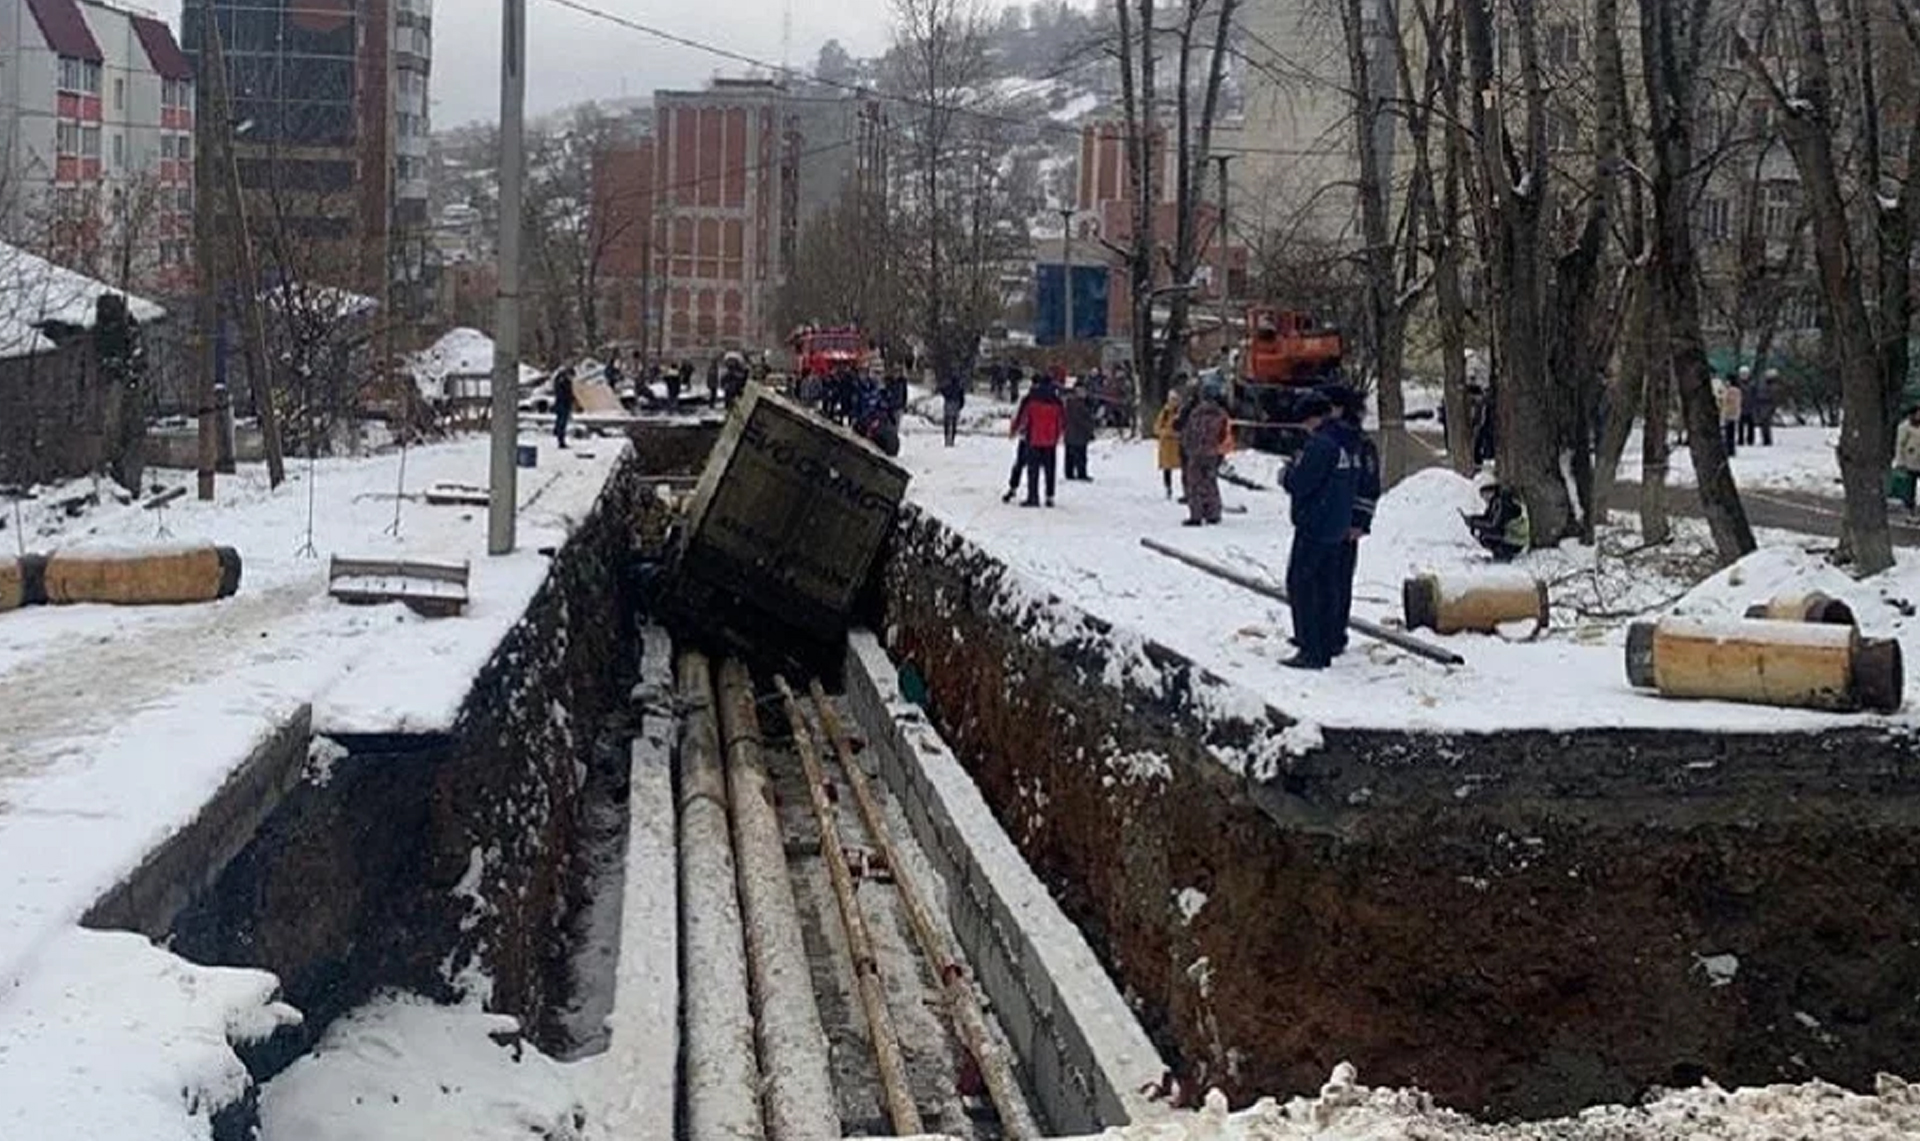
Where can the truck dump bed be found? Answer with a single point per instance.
(784, 525)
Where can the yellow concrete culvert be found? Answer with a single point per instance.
(1812, 606)
(20, 582)
(1766, 662)
(151, 577)
(1478, 602)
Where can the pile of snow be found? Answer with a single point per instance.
(1348, 1111)
(460, 364)
(402, 1068)
(116, 1039)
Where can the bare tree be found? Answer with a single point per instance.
(939, 57)
(1866, 326)
(1388, 296)
(1140, 123)
(1193, 149)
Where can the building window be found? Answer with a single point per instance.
(119, 151)
(166, 146)
(1780, 209)
(89, 142)
(66, 139)
(183, 147)
(183, 200)
(79, 75)
(1563, 130)
(119, 94)
(1716, 219)
(1561, 44)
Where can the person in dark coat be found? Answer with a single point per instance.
(676, 377)
(953, 398)
(1079, 431)
(1039, 425)
(1351, 409)
(1322, 481)
(897, 392)
(713, 380)
(1504, 528)
(562, 403)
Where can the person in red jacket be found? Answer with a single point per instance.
(1039, 424)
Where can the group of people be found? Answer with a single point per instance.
(858, 400)
(1746, 409)
(1055, 413)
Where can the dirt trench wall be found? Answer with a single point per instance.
(404, 861)
(1523, 923)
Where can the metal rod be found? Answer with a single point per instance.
(719, 1071)
(506, 321)
(799, 1102)
(887, 1056)
(1358, 625)
(963, 1003)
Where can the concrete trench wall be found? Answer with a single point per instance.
(1523, 924)
(401, 861)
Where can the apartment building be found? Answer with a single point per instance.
(96, 142)
(330, 100)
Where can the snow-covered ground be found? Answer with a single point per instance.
(1087, 551)
(1801, 459)
(118, 723)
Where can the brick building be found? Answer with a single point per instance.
(738, 169)
(96, 121)
(623, 232)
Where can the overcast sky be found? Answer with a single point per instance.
(573, 57)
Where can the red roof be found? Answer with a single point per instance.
(66, 29)
(162, 49)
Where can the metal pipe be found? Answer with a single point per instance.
(799, 1101)
(963, 1002)
(1358, 625)
(506, 321)
(892, 1064)
(719, 1074)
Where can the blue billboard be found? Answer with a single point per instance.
(1089, 303)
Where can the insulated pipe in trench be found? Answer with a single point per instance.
(963, 1004)
(793, 1048)
(719, 1078)
(892, 1064)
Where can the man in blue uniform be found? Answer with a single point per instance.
(1322, 480)
(1350, 410)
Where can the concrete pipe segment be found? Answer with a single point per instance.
(158, 577)
(1766, 662)
(1479, 602)
(1812, 606)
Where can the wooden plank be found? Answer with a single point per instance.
(398, 568)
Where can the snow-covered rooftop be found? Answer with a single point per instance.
(35, 293)
(465, 356)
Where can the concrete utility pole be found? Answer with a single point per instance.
(206, 300)
(1066, 256)
(506, 322)
(1220, 239)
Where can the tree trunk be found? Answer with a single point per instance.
(1671, 59)
(1518, 186)
(1808, 124)
(1386, 319)
(1137, 95)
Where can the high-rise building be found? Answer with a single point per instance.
(96, 144)
(331, 122)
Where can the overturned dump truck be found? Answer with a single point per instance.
(781, 532)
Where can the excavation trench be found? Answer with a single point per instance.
(1524, 924)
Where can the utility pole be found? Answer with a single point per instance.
(256, 335)
(506, 323)
(1220, 239)
(206, 299)
(1066, 256)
